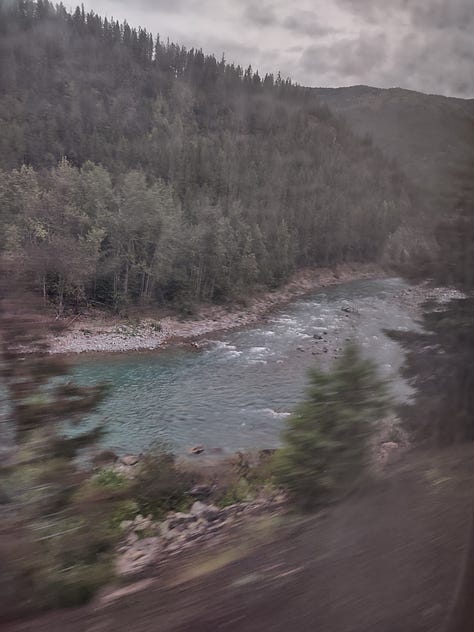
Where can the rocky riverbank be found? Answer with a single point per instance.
(414, 297)
(147, 543)
(103, 333)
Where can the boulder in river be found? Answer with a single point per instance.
(196, 449)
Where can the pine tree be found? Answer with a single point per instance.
(54, 546)
(326, 439)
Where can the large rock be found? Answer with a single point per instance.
(208, 512)
(166, 532)
(200, 491)
(196, 531)
(348, 308)
(196, 449)
(139, 556)
(129, 460)
(180, 519)
(125, 525)
(142, 524)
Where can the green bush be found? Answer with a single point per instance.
(238, 492)
(325, 443)
(159, 486)
(124, 510)
(110, 479)
(72, 586)
(244, 478)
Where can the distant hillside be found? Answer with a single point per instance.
(137, 171)
(427, 134)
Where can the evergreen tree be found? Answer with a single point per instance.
(203, 137)
(326, 440)
(54, 542)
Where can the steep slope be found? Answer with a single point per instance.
(212, 180)
(427, 134)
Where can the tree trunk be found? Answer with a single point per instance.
(125, 282)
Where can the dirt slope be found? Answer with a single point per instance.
(384, 560)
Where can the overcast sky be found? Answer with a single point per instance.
(425, 45)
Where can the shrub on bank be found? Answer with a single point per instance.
(326, 440)
(159, 486)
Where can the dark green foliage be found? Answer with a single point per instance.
(185, 178)
(62, 541)
(440, 366)
(440, 360)
(159, 486)
(325, 443)
(244, 478)
(425, 133)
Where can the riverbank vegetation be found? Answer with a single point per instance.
(135, 171)
(54, 546)
(327, 439)
(65, 513)
(440, 357)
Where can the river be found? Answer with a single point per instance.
(237, 391)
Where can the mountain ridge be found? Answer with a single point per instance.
(429, 135)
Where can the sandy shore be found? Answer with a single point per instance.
(103, 333)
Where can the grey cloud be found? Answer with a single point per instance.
(416, 62)
(348, 57)
(234, 51)
(306, 23)
(441, 14)
(162, 6)
(261, 15)
(440, 64)
(374, 10)
(432, 47)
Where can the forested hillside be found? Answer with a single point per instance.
(134, 170)
(429, 135)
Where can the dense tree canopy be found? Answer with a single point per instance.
(440, 360)
(137, 170)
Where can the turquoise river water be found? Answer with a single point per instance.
(236, 392)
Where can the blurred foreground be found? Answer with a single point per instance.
(386, 559)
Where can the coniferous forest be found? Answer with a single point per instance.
(134, 171)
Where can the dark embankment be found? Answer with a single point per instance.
(384, 560)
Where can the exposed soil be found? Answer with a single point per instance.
(386, 559)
